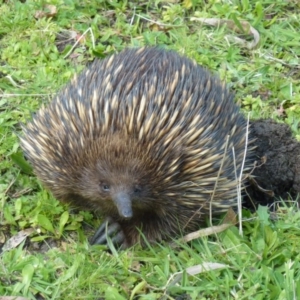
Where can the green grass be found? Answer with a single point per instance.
(56, 261)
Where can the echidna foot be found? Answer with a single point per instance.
(109, 229)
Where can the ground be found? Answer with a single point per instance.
(251, 45)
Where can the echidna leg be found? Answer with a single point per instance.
(111, 229)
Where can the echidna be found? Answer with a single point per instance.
(140, 137)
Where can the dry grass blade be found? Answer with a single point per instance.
(204, 232)
(246, 29)
(195, 270)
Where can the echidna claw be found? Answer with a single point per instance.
(110, 229)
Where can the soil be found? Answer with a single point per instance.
(277, 163)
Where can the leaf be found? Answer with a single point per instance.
(45, 223)
(263, 214)
(19, 160)
(113, 294)
(64, 218)
(27, 273)
(17, 239)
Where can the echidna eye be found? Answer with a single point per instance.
(137, 189)
(105, 187)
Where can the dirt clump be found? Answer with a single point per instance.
(277, 157)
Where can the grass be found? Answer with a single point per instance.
(56, 261)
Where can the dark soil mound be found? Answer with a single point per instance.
(277, 157)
